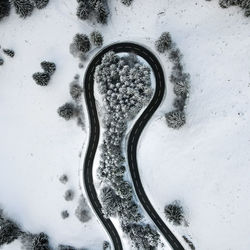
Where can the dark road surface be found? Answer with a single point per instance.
(132, 141)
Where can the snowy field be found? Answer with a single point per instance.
(204, 164)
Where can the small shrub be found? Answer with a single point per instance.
(1, 61)
(67, 111)
(175, 119)
(41, 79)
(69, 195)
(65, 214)
(164, 43)
(82, 211)
(63, 179)
(96, 38)
(4, 8)
(40, 4)
(24, 8)
(174, 213)
(127, 2)
(75, 91)
(105, 245)
(9, 52)
(48, 67)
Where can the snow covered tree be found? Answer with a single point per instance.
(174, 213)
(4, 8)
(40, 4)
(164, 42)
(41, 79)
(24, 8)
(101, 12)
(96, 38)
(1, 61)
(75, 91)
(80, 45)
(175, 119)
(48, 67)
(226, 3)
(82, 211)
(67, 111)
(41, 242)
(9, 231)
(83, 10)
(179, 103)
(175, 55)
(9, 52)
(127, 2)
(69, 195)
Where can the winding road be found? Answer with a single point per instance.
(132, 141)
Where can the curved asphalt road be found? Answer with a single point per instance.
(132, 141)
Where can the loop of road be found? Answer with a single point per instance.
(132, 140)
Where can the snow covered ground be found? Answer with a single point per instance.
(204, 164)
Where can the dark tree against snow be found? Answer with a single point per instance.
(48, 67)
(175, 119)
(67, 111)
(65, 214)
(82, 211)
(4, 8)
(9, 52)
(41, 79)
(41, 242)
(24, 8)
(127, 2)
(1, 61)
(174, 213)
(164, 42)
(96, 38)
(69, 195)
(80, 45)
(76, 91)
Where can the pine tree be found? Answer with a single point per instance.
(40, 4)
(23, 8)
(75, 91)
(1, 61)
(164, 42)
(175, 119)
(101, 13)
(174, 213)
(9, 52)
(4, 8)
(41, 242)
(48, 67)
(65, 214)
(67, 111)
(96, 38)
(80, 45)
(83, 10)
(41, 79)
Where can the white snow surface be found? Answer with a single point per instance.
(204, 164)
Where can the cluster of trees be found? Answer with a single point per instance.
(43, 78)
(81, 44)
(82, 211)
(125, 85)
(23, 8)
(174, 213)
(73, 109)
(180, 80)
(93, 9)
(244, 4)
